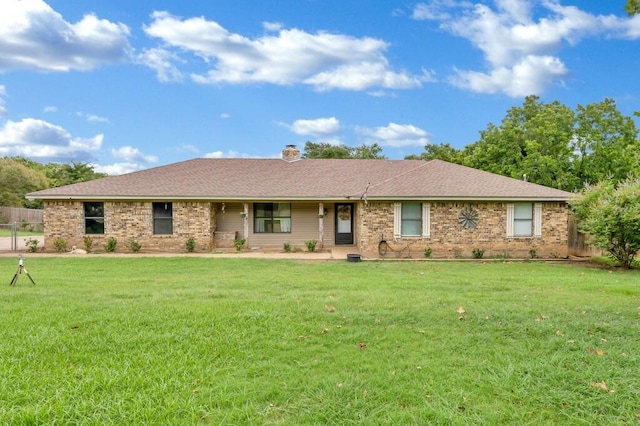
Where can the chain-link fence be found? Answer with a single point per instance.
(21, 236)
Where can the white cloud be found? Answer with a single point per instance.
(161, 61)
(49, 109)
(3, 93)
(318, 127)
(35, 37)
(228, 154)
(131, 155)
(37, 139)
(190, 148)
(283, 57)
(396, 135)
(520, 42)
(118, 168)
(225, 116)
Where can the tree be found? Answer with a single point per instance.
(632, 7)
(553, 145)
(327, 150)
(444, 152)
(605, 143)
(531, 143)
(610, 213)
(16, 180)
(66, 174)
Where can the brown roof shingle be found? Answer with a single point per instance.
(310, 179)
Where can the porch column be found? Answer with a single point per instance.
(321, 224)
(245, 221)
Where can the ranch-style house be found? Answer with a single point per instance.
(444, 208)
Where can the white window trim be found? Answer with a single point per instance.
(397, 220)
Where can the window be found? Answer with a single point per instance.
(272, 217)
(524, 220)
(411, 219)
(94, 218)
(162, 218)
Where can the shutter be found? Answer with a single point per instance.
(397, 220)
(510, 213)
(537, 220)
(426, 220)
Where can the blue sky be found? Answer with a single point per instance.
(127, 85)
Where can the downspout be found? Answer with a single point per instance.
(321, 224)
(245, 220)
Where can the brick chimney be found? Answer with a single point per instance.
(290, 153)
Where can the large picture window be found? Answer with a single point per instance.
(94, 218)
(162, 218)
(272, 217)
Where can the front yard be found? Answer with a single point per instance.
(157, 340)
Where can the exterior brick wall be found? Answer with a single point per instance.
(126, 221)
(449, 239)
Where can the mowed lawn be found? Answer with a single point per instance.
(193, 340)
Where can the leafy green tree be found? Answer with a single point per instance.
(444, 152)
(16, 180)
(327, 150)
(605, 144)
(632, 7)
(531, 143)
(552, 145)
(610, 213)
(68, 173)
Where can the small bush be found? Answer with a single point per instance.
(287, 247)
(428, 252)
(87, 243)
(190, 245)
(110, 245)
(239, 243)
(532, 253)
(60, 244)
(32, 244)
(135, 246)
(477, 253)
(311, 245)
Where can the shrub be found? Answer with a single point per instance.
(311, 245)
(32, 244)
(533, 254)
(190, 245)
(287, 247)
(110, 245)
(135, 246)
(60, 244)
(477, 253)
(239, 243)
(428, 252)
(87, 243)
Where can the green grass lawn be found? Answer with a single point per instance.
(149, 340)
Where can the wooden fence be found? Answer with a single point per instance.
(16, 214)
(579, 243)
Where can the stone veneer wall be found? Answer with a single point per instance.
(127, 220)
(450, 240)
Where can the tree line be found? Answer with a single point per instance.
(19, 176)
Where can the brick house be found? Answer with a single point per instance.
(414, 205)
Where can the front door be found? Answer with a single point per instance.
(344, 223)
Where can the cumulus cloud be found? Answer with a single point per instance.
(228, 154)
(319, 127)
(3, 94)
(519, 40)
(321, 60)
(396, 135)
(118, 168)
(131, 155)
(35, 37)
(43, 141)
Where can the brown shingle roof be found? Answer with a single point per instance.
(310, 179)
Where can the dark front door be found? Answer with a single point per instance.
(344, 223)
